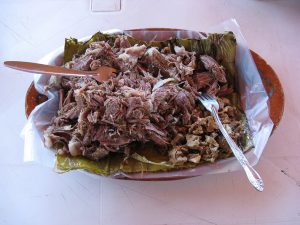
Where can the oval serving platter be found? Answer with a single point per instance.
(270, 80)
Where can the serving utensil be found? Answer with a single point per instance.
(212, 105)
(101, 74)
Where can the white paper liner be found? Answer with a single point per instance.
(253, 96)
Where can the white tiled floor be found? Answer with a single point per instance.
(33, 194)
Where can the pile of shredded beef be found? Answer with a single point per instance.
(153, 98)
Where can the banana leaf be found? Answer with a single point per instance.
(221, 47)
(74, 47)
(143, 160)
(115, 163)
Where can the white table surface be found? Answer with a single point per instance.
(31, 194)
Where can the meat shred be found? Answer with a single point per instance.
(151, 99)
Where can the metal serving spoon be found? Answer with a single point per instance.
(101, 74)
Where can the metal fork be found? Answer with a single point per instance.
(212, 105)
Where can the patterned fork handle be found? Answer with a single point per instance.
(251, 173)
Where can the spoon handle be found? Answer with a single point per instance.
(46, 69)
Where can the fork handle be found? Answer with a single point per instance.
(251, 173)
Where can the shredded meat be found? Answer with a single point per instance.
(151, 99)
